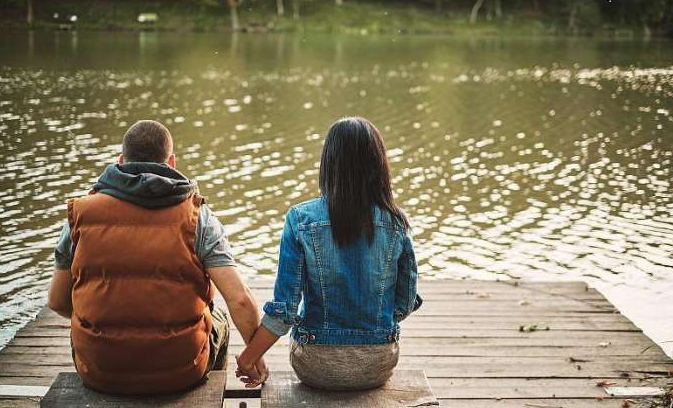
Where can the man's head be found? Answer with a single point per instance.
(148, 141)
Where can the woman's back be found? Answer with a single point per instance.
(346, 272)
(349, 291)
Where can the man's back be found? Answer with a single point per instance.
(140, 319)
(136, 267)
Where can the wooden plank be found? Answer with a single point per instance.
(21, 353)
(22, 380)
(449, 367)
(23, 391)
(442, 332)
(405, 389)
(50, 359)
(517, 388)
(68, 391)
(408, 340)
(424, 322)
(594, 321)
(546, 403)
(20, 403)
(439, 293)
(236, 402)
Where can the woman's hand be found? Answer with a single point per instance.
(249, 373)
(262, 370)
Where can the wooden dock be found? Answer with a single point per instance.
(482, 345)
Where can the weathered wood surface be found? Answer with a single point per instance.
(68, 391)
(407, 388)
(467, 340)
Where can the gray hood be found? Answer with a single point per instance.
(149, 185)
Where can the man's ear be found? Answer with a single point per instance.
(120, 159)
(171, 161)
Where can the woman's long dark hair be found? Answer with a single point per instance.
(355, 176)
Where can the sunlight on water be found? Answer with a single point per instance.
(554, 171)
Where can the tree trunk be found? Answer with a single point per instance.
(647, 32)
(498, 9)
(572, 24)
(295, 9)
(339, 2)
(536, 6)
(475, 11)
(234, 15)
(438, 6)
(280, 7)
(29, 13)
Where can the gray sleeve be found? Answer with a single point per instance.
(64, 250)
(212, 245)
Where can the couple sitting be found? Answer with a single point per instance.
(140, 258)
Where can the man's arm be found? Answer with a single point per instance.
(60, 293)
(214, 251)
(241, 303)
(242, 308)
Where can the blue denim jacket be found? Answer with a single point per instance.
(341, 295)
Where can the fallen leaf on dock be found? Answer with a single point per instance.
(604, 383)
(533, 327)
(483, 295)
(578, 360)
(524, 302)
(604, 343)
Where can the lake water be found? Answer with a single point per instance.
(542, 159)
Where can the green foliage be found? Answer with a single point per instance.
(534, 16)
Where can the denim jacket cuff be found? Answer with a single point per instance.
(275, 325)
(277, 310)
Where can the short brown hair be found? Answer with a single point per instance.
(147, 141)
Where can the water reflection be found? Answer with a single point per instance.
(512, 163)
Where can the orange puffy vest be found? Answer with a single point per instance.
(141, 321)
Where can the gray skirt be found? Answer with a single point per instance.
(345, 367)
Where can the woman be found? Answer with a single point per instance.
(347, 272)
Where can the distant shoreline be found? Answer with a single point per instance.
(362, 18)
(621, 35)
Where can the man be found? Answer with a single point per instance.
(135, 267)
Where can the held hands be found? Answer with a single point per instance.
(251, 366)
(251, 374)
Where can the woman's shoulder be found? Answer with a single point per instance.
(310, 211)
(385, 218)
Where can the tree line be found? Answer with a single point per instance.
(574, 14)
(571, 15)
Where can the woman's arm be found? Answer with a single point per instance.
(407, 299)
(260, 343)
(281, 313)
